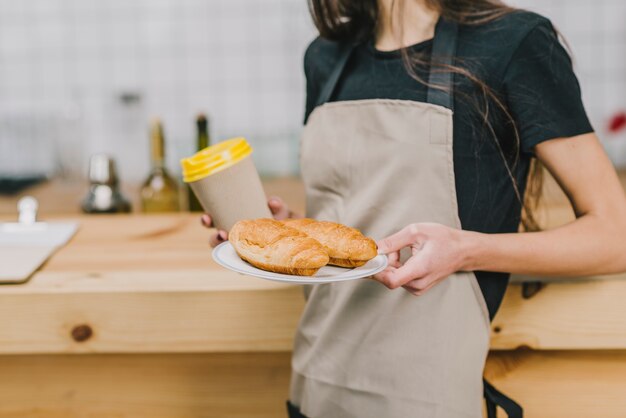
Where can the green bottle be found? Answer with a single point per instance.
(203, 141)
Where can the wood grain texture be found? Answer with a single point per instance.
(145, 284)
(576, 314)
(132, 313)
(146, 386)
(554, 384)
(148, 284)
(209, 311)
(562, 384)
(147, 243)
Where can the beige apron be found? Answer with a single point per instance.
(363, 350)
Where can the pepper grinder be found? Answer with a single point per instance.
(104, 195)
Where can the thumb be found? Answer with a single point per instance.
(403, 238)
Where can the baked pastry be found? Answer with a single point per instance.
(346, 246)
(271, 245)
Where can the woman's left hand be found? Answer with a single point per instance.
(437, 251)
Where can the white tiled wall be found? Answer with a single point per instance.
(66, 64)
(238, 60)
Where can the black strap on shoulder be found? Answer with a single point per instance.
(441, 86)
(331, 83)
(493, 398)
(441, 80)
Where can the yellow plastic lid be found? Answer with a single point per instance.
(214, 158)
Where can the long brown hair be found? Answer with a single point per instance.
(356, 21)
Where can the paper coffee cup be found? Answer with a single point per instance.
(225, 181)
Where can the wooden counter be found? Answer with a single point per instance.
(162, 331)
(145, 284)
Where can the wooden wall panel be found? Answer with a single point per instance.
(553, 384)
(571, 314)
(144, 386)
(562, 384)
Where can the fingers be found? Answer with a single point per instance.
(217, 238)
(213, 240)
(420, 286)
(393, 263)
(403, 238)
(395, 277)
(278, 208)
(206, 221)
(393, 259)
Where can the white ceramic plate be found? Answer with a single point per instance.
(226, 256)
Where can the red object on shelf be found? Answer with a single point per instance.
(617, 122)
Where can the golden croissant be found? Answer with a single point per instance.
(346, 247)
(271, 245)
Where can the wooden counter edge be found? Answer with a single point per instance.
(251, 315)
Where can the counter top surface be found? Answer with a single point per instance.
(140, 252)
(147, 283)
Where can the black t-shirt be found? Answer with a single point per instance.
(520, 58)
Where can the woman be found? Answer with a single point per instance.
(423, 118)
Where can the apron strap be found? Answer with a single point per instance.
(443, 53)
(293, 411)
(331, 83)
(493, 398)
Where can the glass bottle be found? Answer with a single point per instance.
(203, 141)
(159, 192)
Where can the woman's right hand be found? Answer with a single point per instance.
(278, 208)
